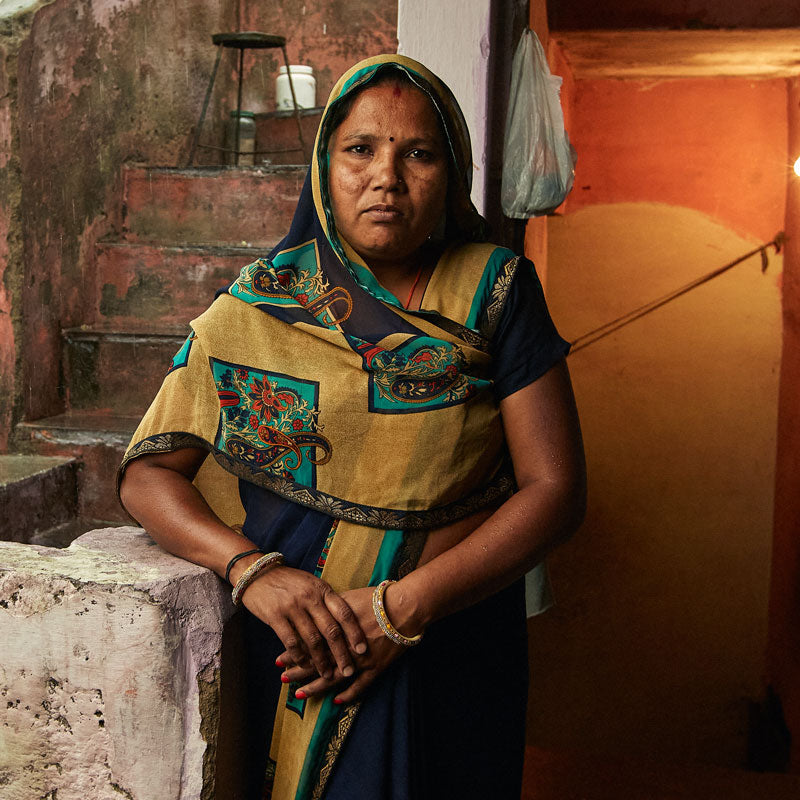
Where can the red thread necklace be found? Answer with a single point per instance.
(414, 286)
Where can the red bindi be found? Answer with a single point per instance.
(397, 91)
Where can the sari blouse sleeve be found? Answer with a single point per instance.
(525, 343)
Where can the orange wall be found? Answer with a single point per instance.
(783, 659)
(583, 14)
(717, 146)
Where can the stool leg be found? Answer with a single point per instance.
(196, 137)
(239, 104)
(294, 101)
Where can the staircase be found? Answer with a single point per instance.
(185, 233)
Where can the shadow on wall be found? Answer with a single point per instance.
(657, 641)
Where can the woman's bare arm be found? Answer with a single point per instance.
(312, 621)
(543, 435)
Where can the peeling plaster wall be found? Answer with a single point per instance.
(93, 84)
(110, 670)
(99, 83)
(9, 243)
(328, 35)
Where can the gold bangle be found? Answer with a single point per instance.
(252, 572)
(383, 620)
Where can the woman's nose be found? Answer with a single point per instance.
(387, 172)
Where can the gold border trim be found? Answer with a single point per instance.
(500, 487)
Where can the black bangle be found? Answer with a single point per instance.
(235, 559)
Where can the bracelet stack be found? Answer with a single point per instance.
(235, 559)
(383, 620)
(252, 572)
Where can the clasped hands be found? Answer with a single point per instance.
(332, 640)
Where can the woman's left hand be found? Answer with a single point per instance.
(381, 652)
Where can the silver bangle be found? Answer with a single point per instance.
(383, 620)
(252, 572)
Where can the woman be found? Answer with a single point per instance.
(384, 397)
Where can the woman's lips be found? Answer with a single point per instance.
(382, 212)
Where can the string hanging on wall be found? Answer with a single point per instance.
(620, 322)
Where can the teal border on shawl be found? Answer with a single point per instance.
(330, 713)
(496, 261)
(181, 358)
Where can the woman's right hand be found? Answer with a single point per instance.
(317, 627)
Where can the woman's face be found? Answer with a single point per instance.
(388, 175)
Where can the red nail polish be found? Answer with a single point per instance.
(337, 701)
(285, 679)
(278, 662)
(300, 694)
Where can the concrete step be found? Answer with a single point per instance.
(64, 535)
(118, 370)
(98, 440)
(166, 283)
(210, 205)
(573, 775)
(277, 141)
(37, 494)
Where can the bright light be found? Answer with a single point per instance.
(797, 167)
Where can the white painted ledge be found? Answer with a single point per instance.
(109, 670)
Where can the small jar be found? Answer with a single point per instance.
(305, 88)
(247, 138)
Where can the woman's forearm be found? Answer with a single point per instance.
(509, 543)
(166, 503)
(544, 441)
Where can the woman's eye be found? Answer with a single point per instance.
(418, 153)
(358, 149)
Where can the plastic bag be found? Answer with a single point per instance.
(538, 160)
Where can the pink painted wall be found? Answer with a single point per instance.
(99, 84)
(584, 14)
(7, 276)
(329, 36)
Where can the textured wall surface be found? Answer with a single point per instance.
(87, 85)
(110, 670)
(583, 14)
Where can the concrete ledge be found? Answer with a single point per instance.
(36, 493)
(109, 680)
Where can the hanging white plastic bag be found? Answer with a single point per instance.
(538, 160)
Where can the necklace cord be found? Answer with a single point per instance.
(413, 287)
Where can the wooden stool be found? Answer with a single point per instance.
(244, 40)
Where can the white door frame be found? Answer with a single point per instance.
(452, 39)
